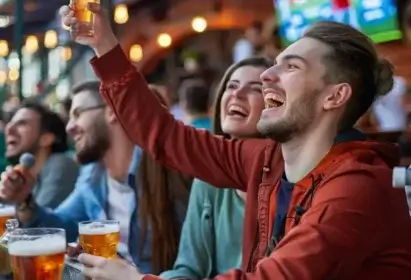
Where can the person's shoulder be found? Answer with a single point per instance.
(367, 164)
(91, 174)
(210, 193)
(61, 160)
(366, 170)
(202, 187)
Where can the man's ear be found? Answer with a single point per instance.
(338, 96)
(47, 140)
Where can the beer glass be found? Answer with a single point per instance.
(100, 238)
(37, 253)
(84, 17)
(6, 212)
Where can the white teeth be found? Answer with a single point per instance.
(274, 97)
(238, 109)
(273, 100)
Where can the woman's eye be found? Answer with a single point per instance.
(231, 86)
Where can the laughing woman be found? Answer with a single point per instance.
(211, 240)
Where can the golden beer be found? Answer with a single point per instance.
(100, 238)
(37, 254)
(6, 212)
(83, 16)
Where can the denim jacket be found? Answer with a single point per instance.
(88, 201)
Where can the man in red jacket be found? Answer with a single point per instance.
(320, 202)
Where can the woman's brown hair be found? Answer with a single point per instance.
(161, 189)
(252, 61)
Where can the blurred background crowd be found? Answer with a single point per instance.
(183, 47)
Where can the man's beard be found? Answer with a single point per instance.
(15, 159)
(97, 146)
(300, 116)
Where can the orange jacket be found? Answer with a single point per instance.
(355, 225)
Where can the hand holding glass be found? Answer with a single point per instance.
(84, 25)
(100, 238)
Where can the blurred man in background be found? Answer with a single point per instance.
(195, 102)
(251, 44)
(37, 130)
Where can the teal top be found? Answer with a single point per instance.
(212, 236)
(203, 123)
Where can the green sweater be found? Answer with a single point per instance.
(212, 236)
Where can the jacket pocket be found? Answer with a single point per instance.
(207, 234)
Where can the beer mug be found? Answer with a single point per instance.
(84, 17)
(5, 268)
(100, 238)
(6, 212)
(37, 253)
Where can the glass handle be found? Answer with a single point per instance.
(11, 225)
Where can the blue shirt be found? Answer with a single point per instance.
(89, 200)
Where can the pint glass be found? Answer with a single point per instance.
(6, 212)
(100, 238)
(84, 17)
(37, 253)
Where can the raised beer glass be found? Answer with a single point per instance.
(84, 18)
(37, 253)
(100, 238)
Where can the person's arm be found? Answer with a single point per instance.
(193, 259)
(68, 214)
(334, 237)
(57, 181)
(149, 125)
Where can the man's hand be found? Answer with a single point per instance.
(98, 268)
(73, 250)
(103, 39)
(15, 186)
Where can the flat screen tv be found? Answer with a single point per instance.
(376, 18)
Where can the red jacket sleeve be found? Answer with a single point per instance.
(342, 228)
(149, 125)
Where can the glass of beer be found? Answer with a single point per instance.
(84, 26)
(100, 238)
(6, 212)
(37, 253)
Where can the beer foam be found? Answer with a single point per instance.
(48, 245)
(98, 228)
(7, 211)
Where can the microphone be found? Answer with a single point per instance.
(401, 177)
(26, 161)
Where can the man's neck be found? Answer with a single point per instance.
(118, 158)
(301, 155)
(41, 157)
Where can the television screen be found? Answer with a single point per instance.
(376, 18)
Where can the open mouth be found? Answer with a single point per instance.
(273, 101)
(237, 111)
(11, 143)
